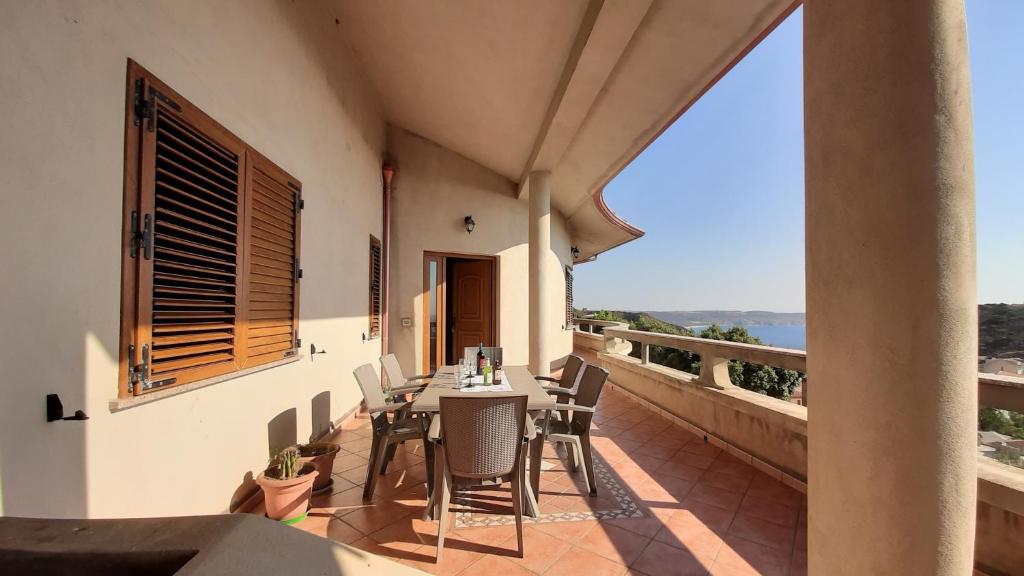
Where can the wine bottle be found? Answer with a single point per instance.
(480, 360)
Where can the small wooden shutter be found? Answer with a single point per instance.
(272, 262)
(375, 287)
(569, 320)
(188, 258)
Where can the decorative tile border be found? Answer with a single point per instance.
(606, 480)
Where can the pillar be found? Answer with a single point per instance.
(891, 305)
(540, 250)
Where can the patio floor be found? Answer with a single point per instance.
(668, 504)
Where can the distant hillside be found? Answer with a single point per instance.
(730, 318)
(641, 321)
(1001, 330)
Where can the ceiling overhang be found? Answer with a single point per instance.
(576, 87)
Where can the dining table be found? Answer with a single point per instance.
(516, 380)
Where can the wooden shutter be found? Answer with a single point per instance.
(569, 320)
(375, 287)
(186, 241)
(210, 254)
(272, 270)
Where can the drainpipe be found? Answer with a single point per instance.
(389, 172)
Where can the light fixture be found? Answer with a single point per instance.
(470, 224)
(575, 252)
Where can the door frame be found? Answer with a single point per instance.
(442, 299)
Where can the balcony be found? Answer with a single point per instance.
(670, 501)
(771, 434)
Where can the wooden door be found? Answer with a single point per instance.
(472, 310)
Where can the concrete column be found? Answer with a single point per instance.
(891, 306)
(540, 251)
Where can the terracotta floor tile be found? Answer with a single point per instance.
(766, 488)
(663, 560)
(580, 561)
(644, 526)
(659, 451)
(730, 482)
(769, 510)
(356, 443)
(408, 534)
(670, 437)
(726, 464)
(664, 490)
(719, 569)
(713, 517)
(342, 502)
(715, 497)
(340, 531)
(540, 549)
(453, 561)
(688, 533)
(348, 461)
(569, 531)
(376, 516)
(686, 466)
(356, 475)
(701, 448)
(763, 532)
(491, 565)
(486, 535)
(743, 554)
(646, 462)
(616, 544)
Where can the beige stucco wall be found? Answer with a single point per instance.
(279, 76)
(434, 189)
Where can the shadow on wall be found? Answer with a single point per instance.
(320, 410)
(282, 432)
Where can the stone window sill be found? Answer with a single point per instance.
(121, 404)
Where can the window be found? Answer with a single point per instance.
(375, 287)
(569, 319)
(210, 266)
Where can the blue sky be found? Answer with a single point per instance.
(720, 193)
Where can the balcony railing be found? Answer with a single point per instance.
(1003, 392)
(771, 434)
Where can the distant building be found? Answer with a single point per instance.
(799, 395)
(1003, 366)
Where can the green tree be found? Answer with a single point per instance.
(1001, 421)
(775, 382)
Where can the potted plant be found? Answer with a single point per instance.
(321, 456)
(287, 484)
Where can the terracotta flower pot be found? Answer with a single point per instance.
(287, 500)
(321, 456)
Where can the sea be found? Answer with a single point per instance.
(779, 335)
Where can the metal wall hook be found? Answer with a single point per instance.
(313, 351)
(55, 410)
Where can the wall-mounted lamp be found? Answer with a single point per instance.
(575, 252)
(470, 223)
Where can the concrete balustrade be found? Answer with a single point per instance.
(773, 433)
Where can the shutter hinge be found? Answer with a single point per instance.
(138, 374)
(300, 204)
(145, 104)
(142, 104)
(297, 272)
(141, 238)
